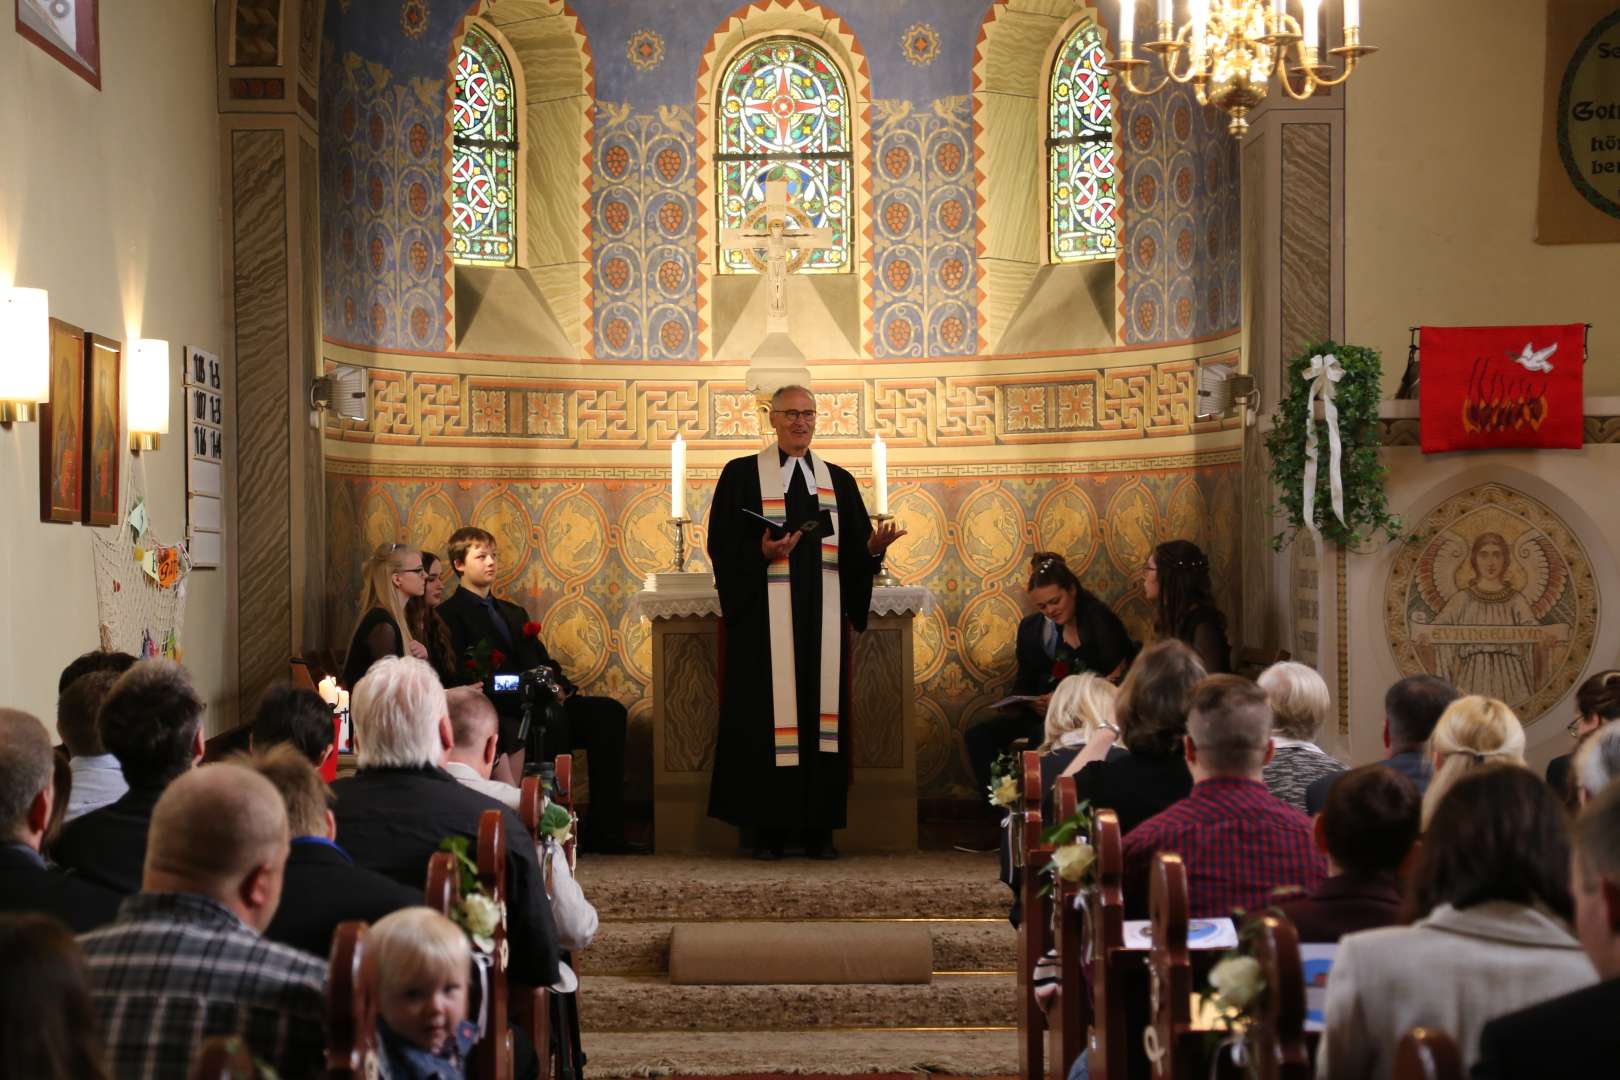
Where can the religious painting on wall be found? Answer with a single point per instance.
(1580, 143)
(1502, 387)
(103, 445)
(1495, 594)
(61, 428)
(68, 30)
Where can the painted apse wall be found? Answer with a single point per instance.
(1089, 448)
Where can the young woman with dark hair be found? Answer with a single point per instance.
(422, 612)
(1596, 703)
(1070, 632)
(48, 1026)
(1176, 582)
(1490, 906)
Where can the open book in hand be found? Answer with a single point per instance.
(779, 529)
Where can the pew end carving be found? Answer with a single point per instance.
(1428, 1054)
(351, 1005)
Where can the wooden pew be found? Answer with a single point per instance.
(223, 1057)
(1070, 1013)
(443, 891)
(492, 1057)
(563, 774)
(351, 1002)
(1030, 854)
(1109, 1047)
(1428, 1054)
(531, 1006)
(1174, 1046)
(1278, 1045)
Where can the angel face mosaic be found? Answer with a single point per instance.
(1495, 595)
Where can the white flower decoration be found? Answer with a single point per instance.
(1237, 981)
(1073, 860)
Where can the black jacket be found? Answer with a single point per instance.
(1134, 786)
(1104, 645)
(27, 885)
(1569, 1036)
(323, 887)
(391, 820)
(470, 624)
(108, 846)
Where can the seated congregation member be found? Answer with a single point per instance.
(321, 886)
(431, 630)
(1596, 703)
(295, 716)
(1150, 719)
(1367, 830)
(94, 660)
(1412, 707)
(1597, 763)
(26, 796)
(97, 779)
(1070, 632)
(473, 724)
(1176, 582)
(186, 958)
(1300, 705)
(400, 804)
(48, 1028)
(1489, 909)
(1081, 704)
(1242, 845)
(1473, 732)
(392, 576)
(1575, 1035)
(477, 618)
(422, 962)
(151, 721)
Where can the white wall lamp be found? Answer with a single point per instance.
(25, 353)
(148, 393)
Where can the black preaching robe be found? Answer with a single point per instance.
(749, 790)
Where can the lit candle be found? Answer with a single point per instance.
(1352, 13)
(1308, 23)
(1127, 21)
(328, 690)
(1167, 11)
(880, 473)
(343, 701)
(1279, 8)
(1198, 15)
(677, 477)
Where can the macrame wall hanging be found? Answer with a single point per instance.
(140, 580)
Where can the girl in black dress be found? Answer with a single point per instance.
(422, 612)
(1176, 582)
(393, 575)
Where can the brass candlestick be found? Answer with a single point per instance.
(680, 524)
(884, 579)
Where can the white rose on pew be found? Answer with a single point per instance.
(480, 916)
(1004, 793)
(1237, 981)
(1073, 860)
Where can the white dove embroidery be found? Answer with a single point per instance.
(1534, 359)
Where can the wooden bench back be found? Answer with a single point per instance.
(1277, 1041)
(1108, 1046)
(223, 1057)
(1428, 1054)
(531, 1007)
(1172, 1045)
(1033, 856)
(492, 1057)
(1070, 1014)
(351, 1004)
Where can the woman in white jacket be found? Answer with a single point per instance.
(1490, 907)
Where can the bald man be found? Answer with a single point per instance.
(26, 799)
(475, 731)
(185, 959)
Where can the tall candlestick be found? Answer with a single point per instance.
(1307, 25)
(1127, 20)
(880, 473)
(677, 477)
(328, 689)
(1352, 13)
(1167, 11)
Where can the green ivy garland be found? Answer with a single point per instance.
(1366, 511)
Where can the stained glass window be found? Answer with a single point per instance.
(783, 114)
(1082, 164)
(483, 160)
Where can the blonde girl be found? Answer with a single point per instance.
(393, 575)
(1473, 731)
(1077, 705)
(423, 962)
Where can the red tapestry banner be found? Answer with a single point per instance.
(1501, 387)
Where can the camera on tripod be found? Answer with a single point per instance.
(539, 710)
(527, 683)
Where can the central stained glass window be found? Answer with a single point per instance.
(783, 114)
(483, 158)
(1082, 164)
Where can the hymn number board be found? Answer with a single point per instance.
(205, 457)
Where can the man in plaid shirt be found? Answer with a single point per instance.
(1240, 843)
(185, 960)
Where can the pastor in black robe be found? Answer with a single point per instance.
(749, 789)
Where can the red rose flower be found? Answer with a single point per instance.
(496, 658)
(470, 664)
(1060, 670)
(531, 629)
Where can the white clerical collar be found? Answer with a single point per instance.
(803, 462)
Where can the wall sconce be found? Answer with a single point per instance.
(25, 353)
(148, 390)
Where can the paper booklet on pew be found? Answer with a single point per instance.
(1201, 934)
(1317, 961)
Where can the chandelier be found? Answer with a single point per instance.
(1229, 49)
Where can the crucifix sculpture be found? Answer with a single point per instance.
(784, 233)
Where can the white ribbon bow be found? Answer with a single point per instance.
(1322, 376)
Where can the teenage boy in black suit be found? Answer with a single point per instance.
(476, 618)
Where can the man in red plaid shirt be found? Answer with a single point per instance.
(1241, 844)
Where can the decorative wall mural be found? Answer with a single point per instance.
(1496, 595)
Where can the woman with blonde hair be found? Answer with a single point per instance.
(1300, 705)
(1473, 731)
(1079, 704)
(393, 575)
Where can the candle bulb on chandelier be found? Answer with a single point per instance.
(1198, 16)
(1352, 13)
(1307, 25)
(1167, 12)
(1279, 9)
(677, 477)
(1127, 20)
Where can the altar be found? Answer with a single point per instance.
(686, 711)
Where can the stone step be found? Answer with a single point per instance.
(922, 885)
(642, 948)
(821, 1053)
(616, 1003)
